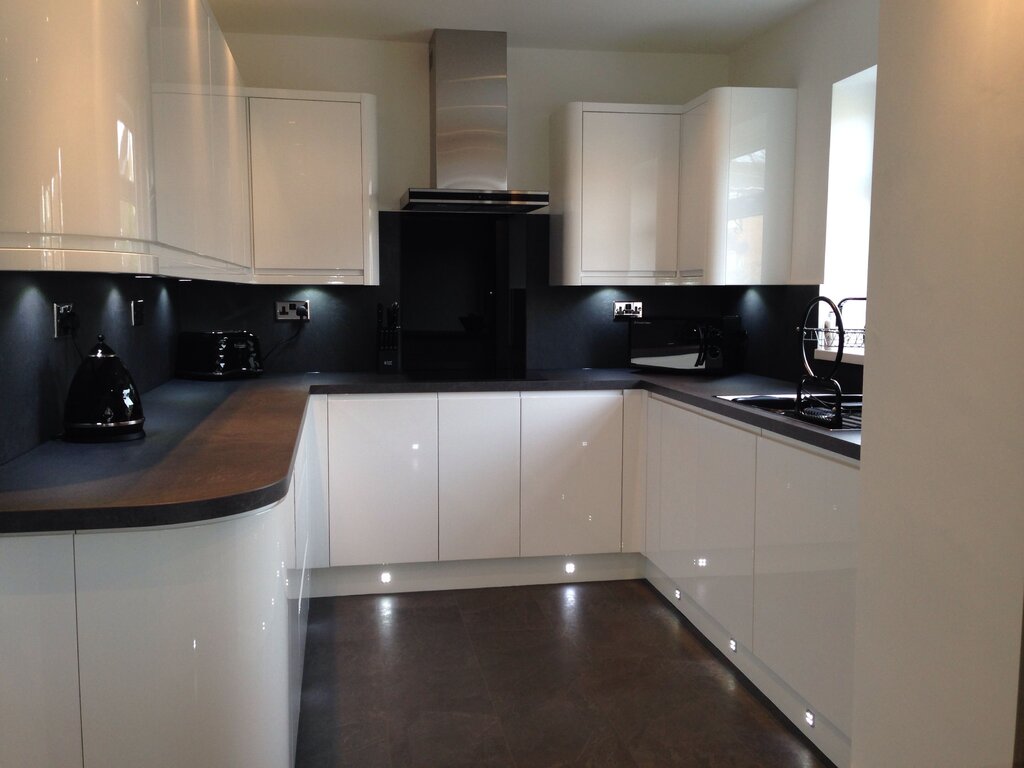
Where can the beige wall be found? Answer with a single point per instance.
(941, 577)
(539, 81)
(830, 40)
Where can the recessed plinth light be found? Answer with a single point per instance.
(385, 577)
(732, 645)
(678, 594)
(809, 718)
(570, 567)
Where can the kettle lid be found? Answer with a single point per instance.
(101, 349)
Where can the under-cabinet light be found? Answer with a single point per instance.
(570, 567)
(809, 718)
(385, 577)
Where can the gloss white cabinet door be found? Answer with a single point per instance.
(614, 198)
(40, 720)
(314, 187)
(571, 472)
(737, 182)
(706, 514)
(630, 191)
(382, 473)
(805, 569)
(312, 517)
(478, 475)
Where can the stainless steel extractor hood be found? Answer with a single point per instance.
(469, 128)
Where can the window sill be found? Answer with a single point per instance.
(851, 356)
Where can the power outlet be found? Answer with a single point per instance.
(292, 310)
(627, 310)
(64, 320)
(138, 312)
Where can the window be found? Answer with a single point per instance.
(848, 214)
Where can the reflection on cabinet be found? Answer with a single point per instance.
(571, 472)
(701, 475)
(382, 478)
(807, 509)
(202, 174)
(737, 184)
(652, 194)
(314, 189)
(478, 475)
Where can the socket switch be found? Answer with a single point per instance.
(292, 310)
(627, 310)
(63, 316)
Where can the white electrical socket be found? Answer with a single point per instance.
(292, 310)
(622, 310)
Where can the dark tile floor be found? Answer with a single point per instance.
(594, 674)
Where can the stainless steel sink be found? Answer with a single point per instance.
(817, 409)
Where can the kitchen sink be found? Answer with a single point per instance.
(817, 409)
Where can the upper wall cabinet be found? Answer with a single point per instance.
(674, 195)
(123, 144)
(736, 184)
(314, 187)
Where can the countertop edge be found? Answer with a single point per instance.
(273, 489)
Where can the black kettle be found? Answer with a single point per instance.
(103, 403)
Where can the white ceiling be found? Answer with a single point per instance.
(669, 26)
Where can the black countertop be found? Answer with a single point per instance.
(215, 449)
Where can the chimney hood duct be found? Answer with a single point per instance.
(469, 128)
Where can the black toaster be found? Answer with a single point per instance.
(218, 355)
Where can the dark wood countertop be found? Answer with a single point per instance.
(215, 449)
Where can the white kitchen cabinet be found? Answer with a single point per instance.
(737, 178)
(674, 195)
(571, 472)
(614, 194)
(382, 474)
(312, 515)
(701, 533)
(478, 475)
(805, 572)
(40, 719)
(314, 188)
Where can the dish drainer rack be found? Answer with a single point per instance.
(827, 336)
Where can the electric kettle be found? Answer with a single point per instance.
(103, 403)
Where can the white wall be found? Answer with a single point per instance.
(539, 81)
(941, 578)
(827, 42)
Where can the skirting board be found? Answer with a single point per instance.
(473, 574)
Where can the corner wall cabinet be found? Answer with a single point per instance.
(314, 187)
(674, 195)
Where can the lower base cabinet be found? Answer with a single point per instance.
(478, 475)
(571, 472)
(805, 573)
(700, 530)
(382, 478)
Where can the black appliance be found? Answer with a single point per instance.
(218, 355)
(103, 403)
(688, 344)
